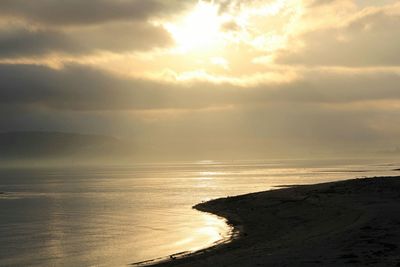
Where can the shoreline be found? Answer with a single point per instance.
(331, 224)
(235, 232)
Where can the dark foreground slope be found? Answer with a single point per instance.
(349, 223)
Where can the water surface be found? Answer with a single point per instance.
(113, 216)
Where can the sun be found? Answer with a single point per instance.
(200, 29)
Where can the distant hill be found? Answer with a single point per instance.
(33, 145)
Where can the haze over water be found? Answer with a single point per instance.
(119, 215)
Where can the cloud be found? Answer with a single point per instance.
(21, 42)
(351, 107)
(370, 40)
(34, 29)
(78, 87)
(120, 37)
(77, 12)
(319, 3)
(322, 110)
(17, 41)
(84, 88)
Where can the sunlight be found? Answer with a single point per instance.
(221, 44)
(214, 229)
(199, 30)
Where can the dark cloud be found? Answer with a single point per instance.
(372, 40)
(75, 12)
(316, 3)
(313, 113)
(18, 41)
(21, 42)
(326, 87)
(120, 37)
(37, 28)
(81, 88)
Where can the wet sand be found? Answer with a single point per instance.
(346, 223)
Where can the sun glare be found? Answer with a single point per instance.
(199, 29)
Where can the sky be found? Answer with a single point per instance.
(218, 78)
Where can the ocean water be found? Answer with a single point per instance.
(114, 216)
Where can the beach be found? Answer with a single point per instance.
(346, 223)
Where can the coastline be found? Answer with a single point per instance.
(234, 234)
(353, 222)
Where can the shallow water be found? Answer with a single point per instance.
(119, 215)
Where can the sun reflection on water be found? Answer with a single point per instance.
(213, 231)
(209, 173)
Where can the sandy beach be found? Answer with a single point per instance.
(347, 223)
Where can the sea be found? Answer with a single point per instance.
(119, 215)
